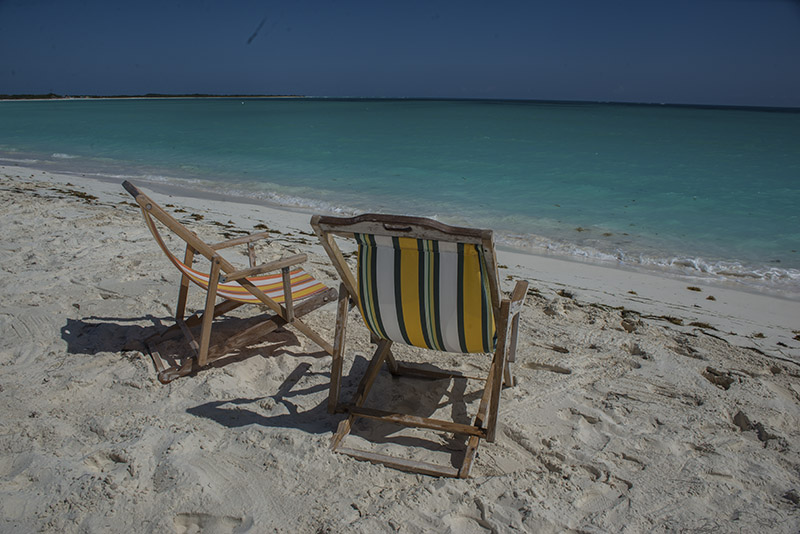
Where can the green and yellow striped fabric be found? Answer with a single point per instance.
(425, 293)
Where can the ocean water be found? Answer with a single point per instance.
(704, 192)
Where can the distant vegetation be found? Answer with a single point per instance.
(50, 96)
(53, 96)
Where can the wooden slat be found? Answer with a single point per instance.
(341, 431)
(264, 268)
(288, 301)
(168, 375)
(189, 337)
(363, 389)
(220, 309)
(469, 456)
(372, 372)
(483, 407)
(520, 291)
(277, 308)
(183, 292)
(194, 320)
(338, 349)
(249, 335)
(208, 314)
(415, 421)
(498, 365)
(414, 466)
(156, 356)
(391, 362)
(244, 240)
(403, 369)
(150, 208)
(401, 226)
(274, 322)
(337, 258)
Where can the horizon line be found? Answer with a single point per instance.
(156, 96)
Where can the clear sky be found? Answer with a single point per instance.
(728, 52)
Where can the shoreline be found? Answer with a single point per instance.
(677, 267)
(639, 404)
(728, 309)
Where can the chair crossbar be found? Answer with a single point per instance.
(415, 421)
(414, 466)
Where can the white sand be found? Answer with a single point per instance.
(615, 425)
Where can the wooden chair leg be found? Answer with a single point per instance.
(208, 314)
(510, 379)
(498, 367)
(338, 348)
(183, 292)
(287, 295)
(479, 422)
(342, 431)
(363, 390)
(371, 374)
(394, 367)
(469, 456)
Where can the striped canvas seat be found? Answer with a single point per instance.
(303, 285)
(425, 293)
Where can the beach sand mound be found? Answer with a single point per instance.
(622, 420)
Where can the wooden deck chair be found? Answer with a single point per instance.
(424, 284)
(288, 293)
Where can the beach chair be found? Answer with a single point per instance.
(424, 284)
(288, 293)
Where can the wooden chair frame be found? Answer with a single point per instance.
(222, 271)
(506, 313)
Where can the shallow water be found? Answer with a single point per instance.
(687, 190)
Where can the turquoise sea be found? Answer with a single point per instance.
(712, 192)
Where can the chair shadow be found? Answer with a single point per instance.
(92, 335)
(241, 412)
(235, 414)
(440, 392)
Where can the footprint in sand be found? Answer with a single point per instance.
(548, 367)
(103, 460)
(196, 523)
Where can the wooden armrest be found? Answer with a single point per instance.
(263, 268)
(240, 240)
(520, 290)
(518, 297)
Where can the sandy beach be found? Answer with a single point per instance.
(643, 403)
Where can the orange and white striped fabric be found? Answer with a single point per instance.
(303, 285)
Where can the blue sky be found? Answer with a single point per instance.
(727, 52)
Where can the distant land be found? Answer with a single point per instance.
(53, 96)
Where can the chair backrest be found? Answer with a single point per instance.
(419, 281)
(152, 210)
(302, 283)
